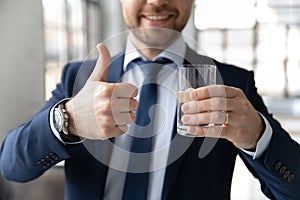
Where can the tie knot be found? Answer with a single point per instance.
(150, 68)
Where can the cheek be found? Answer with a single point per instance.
(184, 11)
(130, 11)
(187, 11)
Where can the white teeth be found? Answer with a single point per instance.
(157, 17)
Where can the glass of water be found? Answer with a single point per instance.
(192, 76)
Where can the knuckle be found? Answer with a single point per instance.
(106, 121)
(107, 105)
(107, 89)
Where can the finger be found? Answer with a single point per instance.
(101, 68)
(213, 104)
(118, 119)
(206, 118)
(112, 131)
(126, 105)
(124, 118)
(202, 131)
(125, 90)
(214, 91)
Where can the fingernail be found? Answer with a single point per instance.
(185, 107)
(185, 118)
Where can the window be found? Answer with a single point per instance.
(263, 36)
(256, 37)
(72, 30)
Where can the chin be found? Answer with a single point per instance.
(155, 36)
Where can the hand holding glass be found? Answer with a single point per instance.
(192, 76)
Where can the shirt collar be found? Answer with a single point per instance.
(175, 52)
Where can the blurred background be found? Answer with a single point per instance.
(38, 37)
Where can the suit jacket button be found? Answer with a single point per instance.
(278, 165)
(49, 159)
(286, 174)
(290, 177)
(282, 170)
(53, 155)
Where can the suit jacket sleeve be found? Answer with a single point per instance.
(31, 149)
(278, 169)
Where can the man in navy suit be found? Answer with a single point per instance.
(90, 116)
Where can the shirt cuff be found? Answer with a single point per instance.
(53, 129)
(263, 142)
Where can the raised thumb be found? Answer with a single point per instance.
(100, 71)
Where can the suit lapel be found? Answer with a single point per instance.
(115, 70)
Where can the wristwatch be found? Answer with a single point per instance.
(61, 119)
(61, 122)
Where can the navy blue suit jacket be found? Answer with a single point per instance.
(29, 150)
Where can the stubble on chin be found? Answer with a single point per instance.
(154, 37)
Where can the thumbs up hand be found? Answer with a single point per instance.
(102, 110)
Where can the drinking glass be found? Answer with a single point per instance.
(192, 76)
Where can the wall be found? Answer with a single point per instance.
(21, 62)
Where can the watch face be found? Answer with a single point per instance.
(58, 120)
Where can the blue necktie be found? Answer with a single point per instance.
(136, 184)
